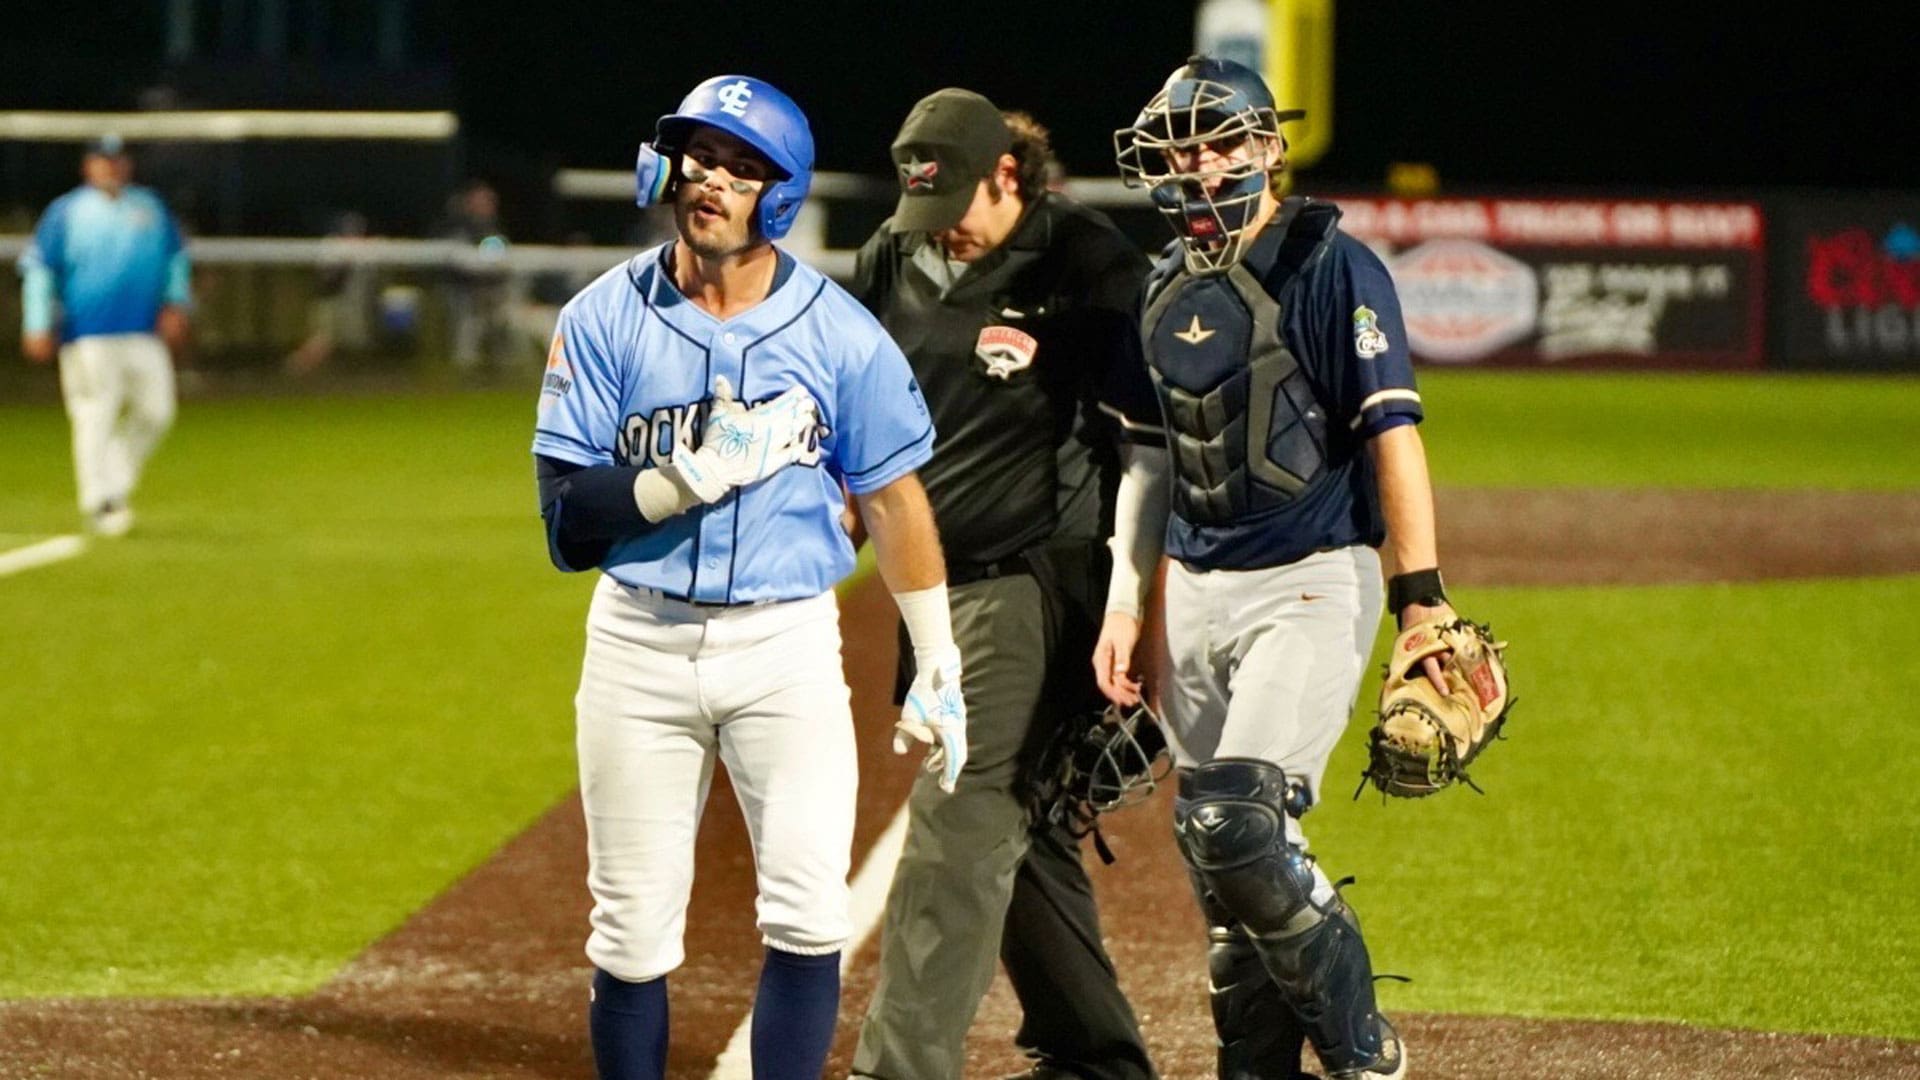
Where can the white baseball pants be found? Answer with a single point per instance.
(1267, 663)
(120, 401)
(664, 686)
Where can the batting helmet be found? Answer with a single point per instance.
(1099, 762)
(756, 113)
(1214, 103)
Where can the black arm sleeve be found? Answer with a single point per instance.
(586, 508)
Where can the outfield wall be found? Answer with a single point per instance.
(1787, 281)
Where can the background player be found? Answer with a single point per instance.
(703, 405)
(1276, 343)
(1014, 306)
(110, 255)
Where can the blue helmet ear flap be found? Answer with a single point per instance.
(653, 176)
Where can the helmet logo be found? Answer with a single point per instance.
(919, 174)
(735, 97)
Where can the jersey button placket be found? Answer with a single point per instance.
(717, 524)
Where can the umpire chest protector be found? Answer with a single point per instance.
(1245, 428)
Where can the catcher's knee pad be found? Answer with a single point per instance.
(1230, 820)
(1258, 1035)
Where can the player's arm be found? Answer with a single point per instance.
(906, 545)
(1141, 506)
(588, 508)
(1376, 386)
(38, 288)
(884, 435)
(174, 322)
(588, 499)
(1139, 533)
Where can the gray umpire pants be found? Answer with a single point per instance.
(978, 883)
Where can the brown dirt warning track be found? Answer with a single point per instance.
(489, 980)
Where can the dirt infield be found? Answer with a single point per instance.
(488, 980)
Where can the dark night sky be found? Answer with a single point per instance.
(1495, 94)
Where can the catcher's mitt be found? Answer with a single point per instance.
(1425, 739)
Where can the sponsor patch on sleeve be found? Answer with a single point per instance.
(559, 377)
(1368, 339)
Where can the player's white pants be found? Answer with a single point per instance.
(1267, 663)
(665, 686)
(120, 401)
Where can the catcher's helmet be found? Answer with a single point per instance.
(757, 113)
(1101, 761)
(1205, 102)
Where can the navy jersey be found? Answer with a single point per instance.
(630, 375)
(1339, 317)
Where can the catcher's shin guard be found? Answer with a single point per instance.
(1231, 824)
(1258, 1036)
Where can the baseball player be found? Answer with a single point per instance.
(1276, 344)
(1014, 305)
(105, 285)
(704, 403)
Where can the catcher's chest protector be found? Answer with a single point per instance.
(1244, 427)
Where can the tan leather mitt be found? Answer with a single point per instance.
(1425, 739)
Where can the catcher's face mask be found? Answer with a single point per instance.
(1109, 759)
(1204, 147)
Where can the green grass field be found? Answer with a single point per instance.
(332, 672)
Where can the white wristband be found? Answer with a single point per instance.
(660, 494)
(929, 619)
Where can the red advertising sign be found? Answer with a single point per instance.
(1848, 283)
(1572, 282)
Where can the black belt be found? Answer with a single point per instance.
(966, 573)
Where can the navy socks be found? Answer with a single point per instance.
(793, 1015)
(628, 1022)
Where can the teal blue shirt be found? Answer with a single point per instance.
(111, 262)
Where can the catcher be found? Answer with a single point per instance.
(1294, 462)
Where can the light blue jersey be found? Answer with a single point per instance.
(633, 365)
(111, 262)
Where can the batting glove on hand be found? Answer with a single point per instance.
(936, 714)
(741, 445)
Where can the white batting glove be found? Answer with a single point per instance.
(936, 714)
(742, 445)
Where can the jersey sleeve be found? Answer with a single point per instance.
(580, 393)
(1122, 387)
(884, 428)
(39, 269)
(1357, 322)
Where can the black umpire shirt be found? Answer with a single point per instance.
(1030, 361)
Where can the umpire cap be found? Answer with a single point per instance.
(951, 140)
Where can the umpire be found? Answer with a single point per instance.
(1015, 307)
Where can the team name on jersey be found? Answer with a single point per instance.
(650, 440)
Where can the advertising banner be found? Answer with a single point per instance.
(1589, 283)
(1846, 275)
